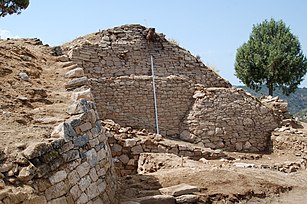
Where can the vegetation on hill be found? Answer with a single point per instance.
(273, 57)
(297, 101)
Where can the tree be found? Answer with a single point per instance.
(12, 6)
(271, 56)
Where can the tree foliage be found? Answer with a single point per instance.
(271, 56)
(12, 6)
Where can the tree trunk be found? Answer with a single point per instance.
(270, 87)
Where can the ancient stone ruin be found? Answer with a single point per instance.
(108, 76)
(194, 103)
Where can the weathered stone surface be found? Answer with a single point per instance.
(86, 94)
(75, 192)
(57, 177)
(124, 158)
(77, 82)
(157, 199)
(91, 157)
(137, 149)
(186, 199)
(61, 200)
(37, 149)
(75, 73)
(83, 199)
(178, 190)
(81, 140)
(26, 173)
(83, 169)
(73, 177)
(84, 183)
(130, 142)
(56, 190)
(78, 107)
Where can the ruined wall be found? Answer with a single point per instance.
(124, 51)
(130, 102)
(73, 166)
(228, 119)
(117, 65)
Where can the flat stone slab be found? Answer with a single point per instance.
(179, 190)
(157, 199)
(184, 199)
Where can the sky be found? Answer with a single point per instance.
(212, 29)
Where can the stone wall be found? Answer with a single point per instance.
(228, 119)
(74, 166)
(124, 51)
(117, 66)
(130, 102)
(127, 144)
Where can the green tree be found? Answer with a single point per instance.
(12, 6)
(272, 56)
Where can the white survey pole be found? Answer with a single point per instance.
(154, 93)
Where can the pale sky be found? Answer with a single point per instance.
(213, 29)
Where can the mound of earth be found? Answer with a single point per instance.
(31, 93)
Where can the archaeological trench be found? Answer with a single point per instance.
(109, 79)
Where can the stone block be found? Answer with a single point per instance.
(91, 157)
(137, 149)
(77, 82)
(83, 199)
(184, 199)
(37, 149)
(179, 190)
(124, 158)
(75, 192)
(58, 177)
(73, 177)
(75, 73)
(157, 199)
(71, 155)
(61, 200)
(81, 141)
(93, 174)
(83, 169)
(84, 183)
(92, 191)
(85, 126)
(56, 191)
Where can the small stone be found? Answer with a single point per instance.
(26, 173)
(124, 158)
(137, 149)
(130, 142)
(24, 76)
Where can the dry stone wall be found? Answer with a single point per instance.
(129, 101)
(228, 119)
(124, 51)
(74, 166)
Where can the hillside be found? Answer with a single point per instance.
(297, 101)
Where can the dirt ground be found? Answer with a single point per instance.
(31, 93)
